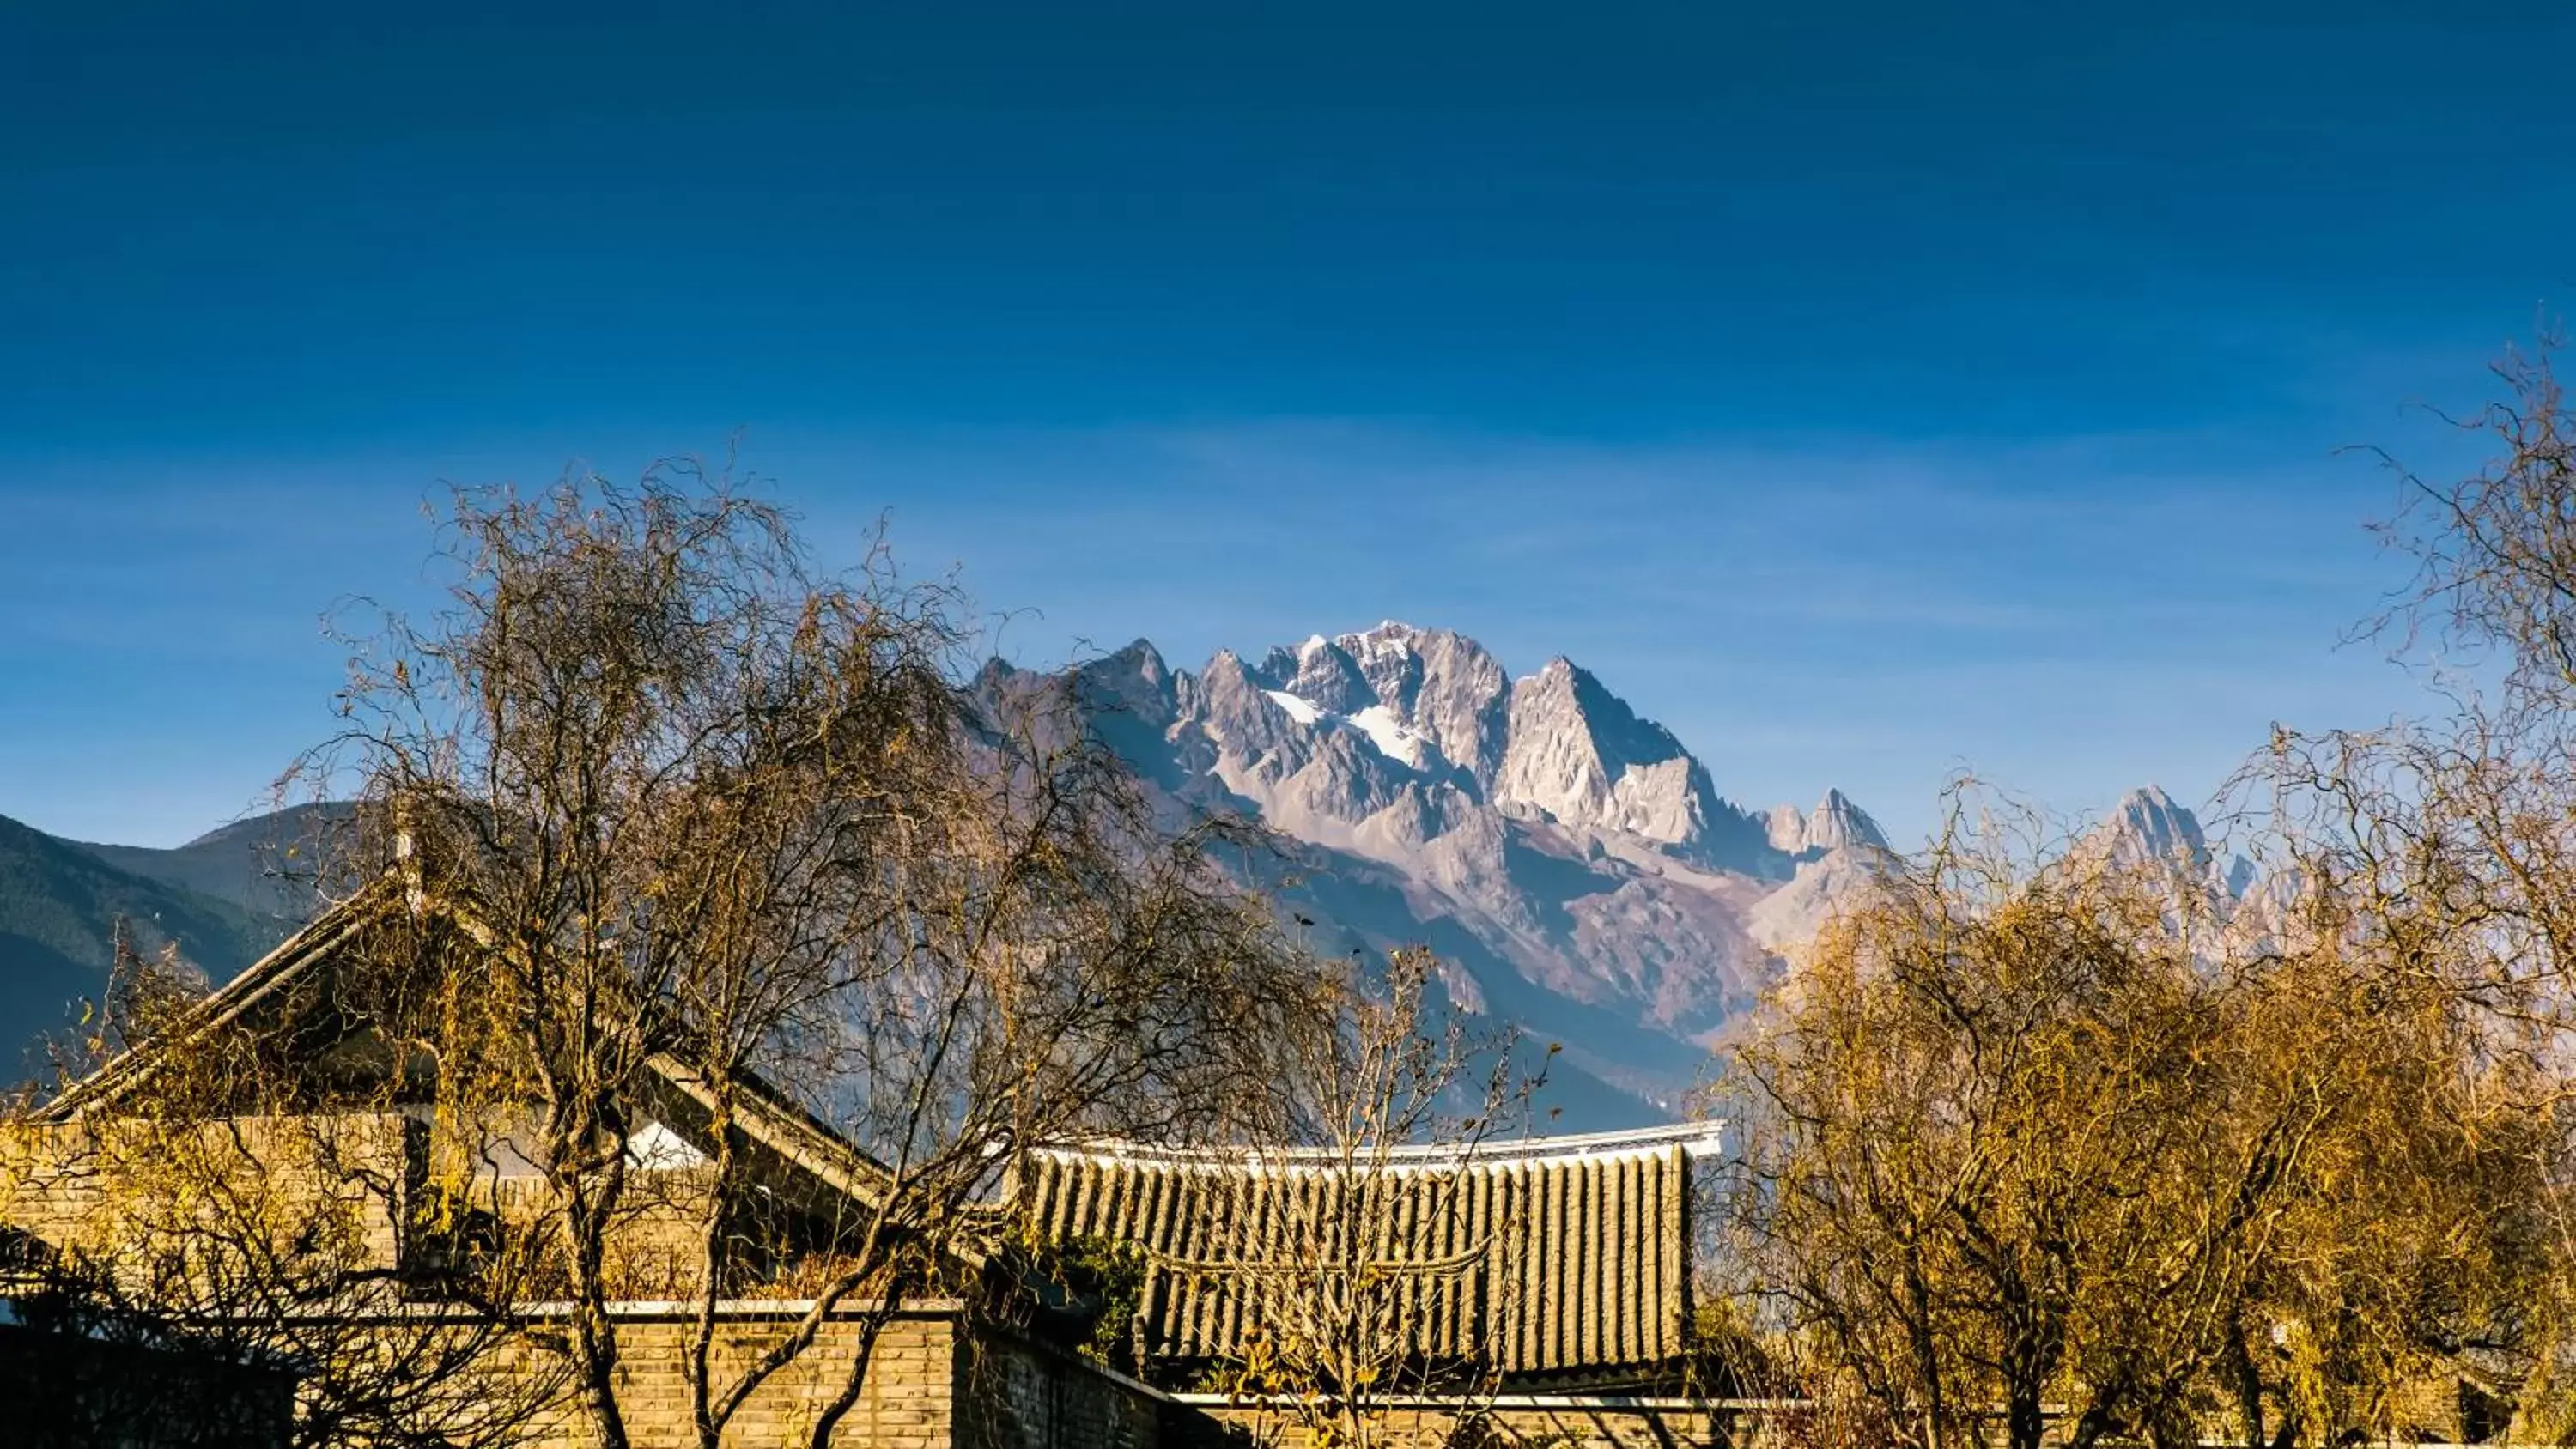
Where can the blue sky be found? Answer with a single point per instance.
(1864, 392)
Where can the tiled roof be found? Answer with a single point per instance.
(1548, 1256)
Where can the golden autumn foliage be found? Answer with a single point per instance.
(2035, 1147)
(2044, 1143)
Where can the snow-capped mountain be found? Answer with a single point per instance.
(1572, 862)
(1431, 707)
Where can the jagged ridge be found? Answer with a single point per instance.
(1572, 859)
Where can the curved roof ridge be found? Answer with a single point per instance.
(1696, 1139)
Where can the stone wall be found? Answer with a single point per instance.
(934, 1384)
(119, 1190)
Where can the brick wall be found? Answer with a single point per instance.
(931, 1385)
(1554, 1421)
(1014, 1394)
(114, 1188)
(908, 1401)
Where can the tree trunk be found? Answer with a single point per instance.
(595, 1367)
(712, 1262)
(594, 1334)
(860, 1356)
(2249, 1384)
(2025, 1425)
(1927, 1352)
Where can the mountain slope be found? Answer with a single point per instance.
(59, 905)
(248, 863)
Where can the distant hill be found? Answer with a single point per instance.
(59, 904)
(250, 863)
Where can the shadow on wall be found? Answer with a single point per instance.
(67, 1391)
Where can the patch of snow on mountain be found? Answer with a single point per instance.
(1392, 739)
(1298, 709)
(1391, 736)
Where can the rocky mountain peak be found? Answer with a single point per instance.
(2149, 825)
(1443, 686)
(1428, 699)
(1134, 679)
(1320, 672)
(1390, 639)
(1577, 753)
(1387, 659)
(1833, 824)
(1234, 703)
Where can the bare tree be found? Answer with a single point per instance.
(2440, 852)
(1349, 1247)
(712, 836)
